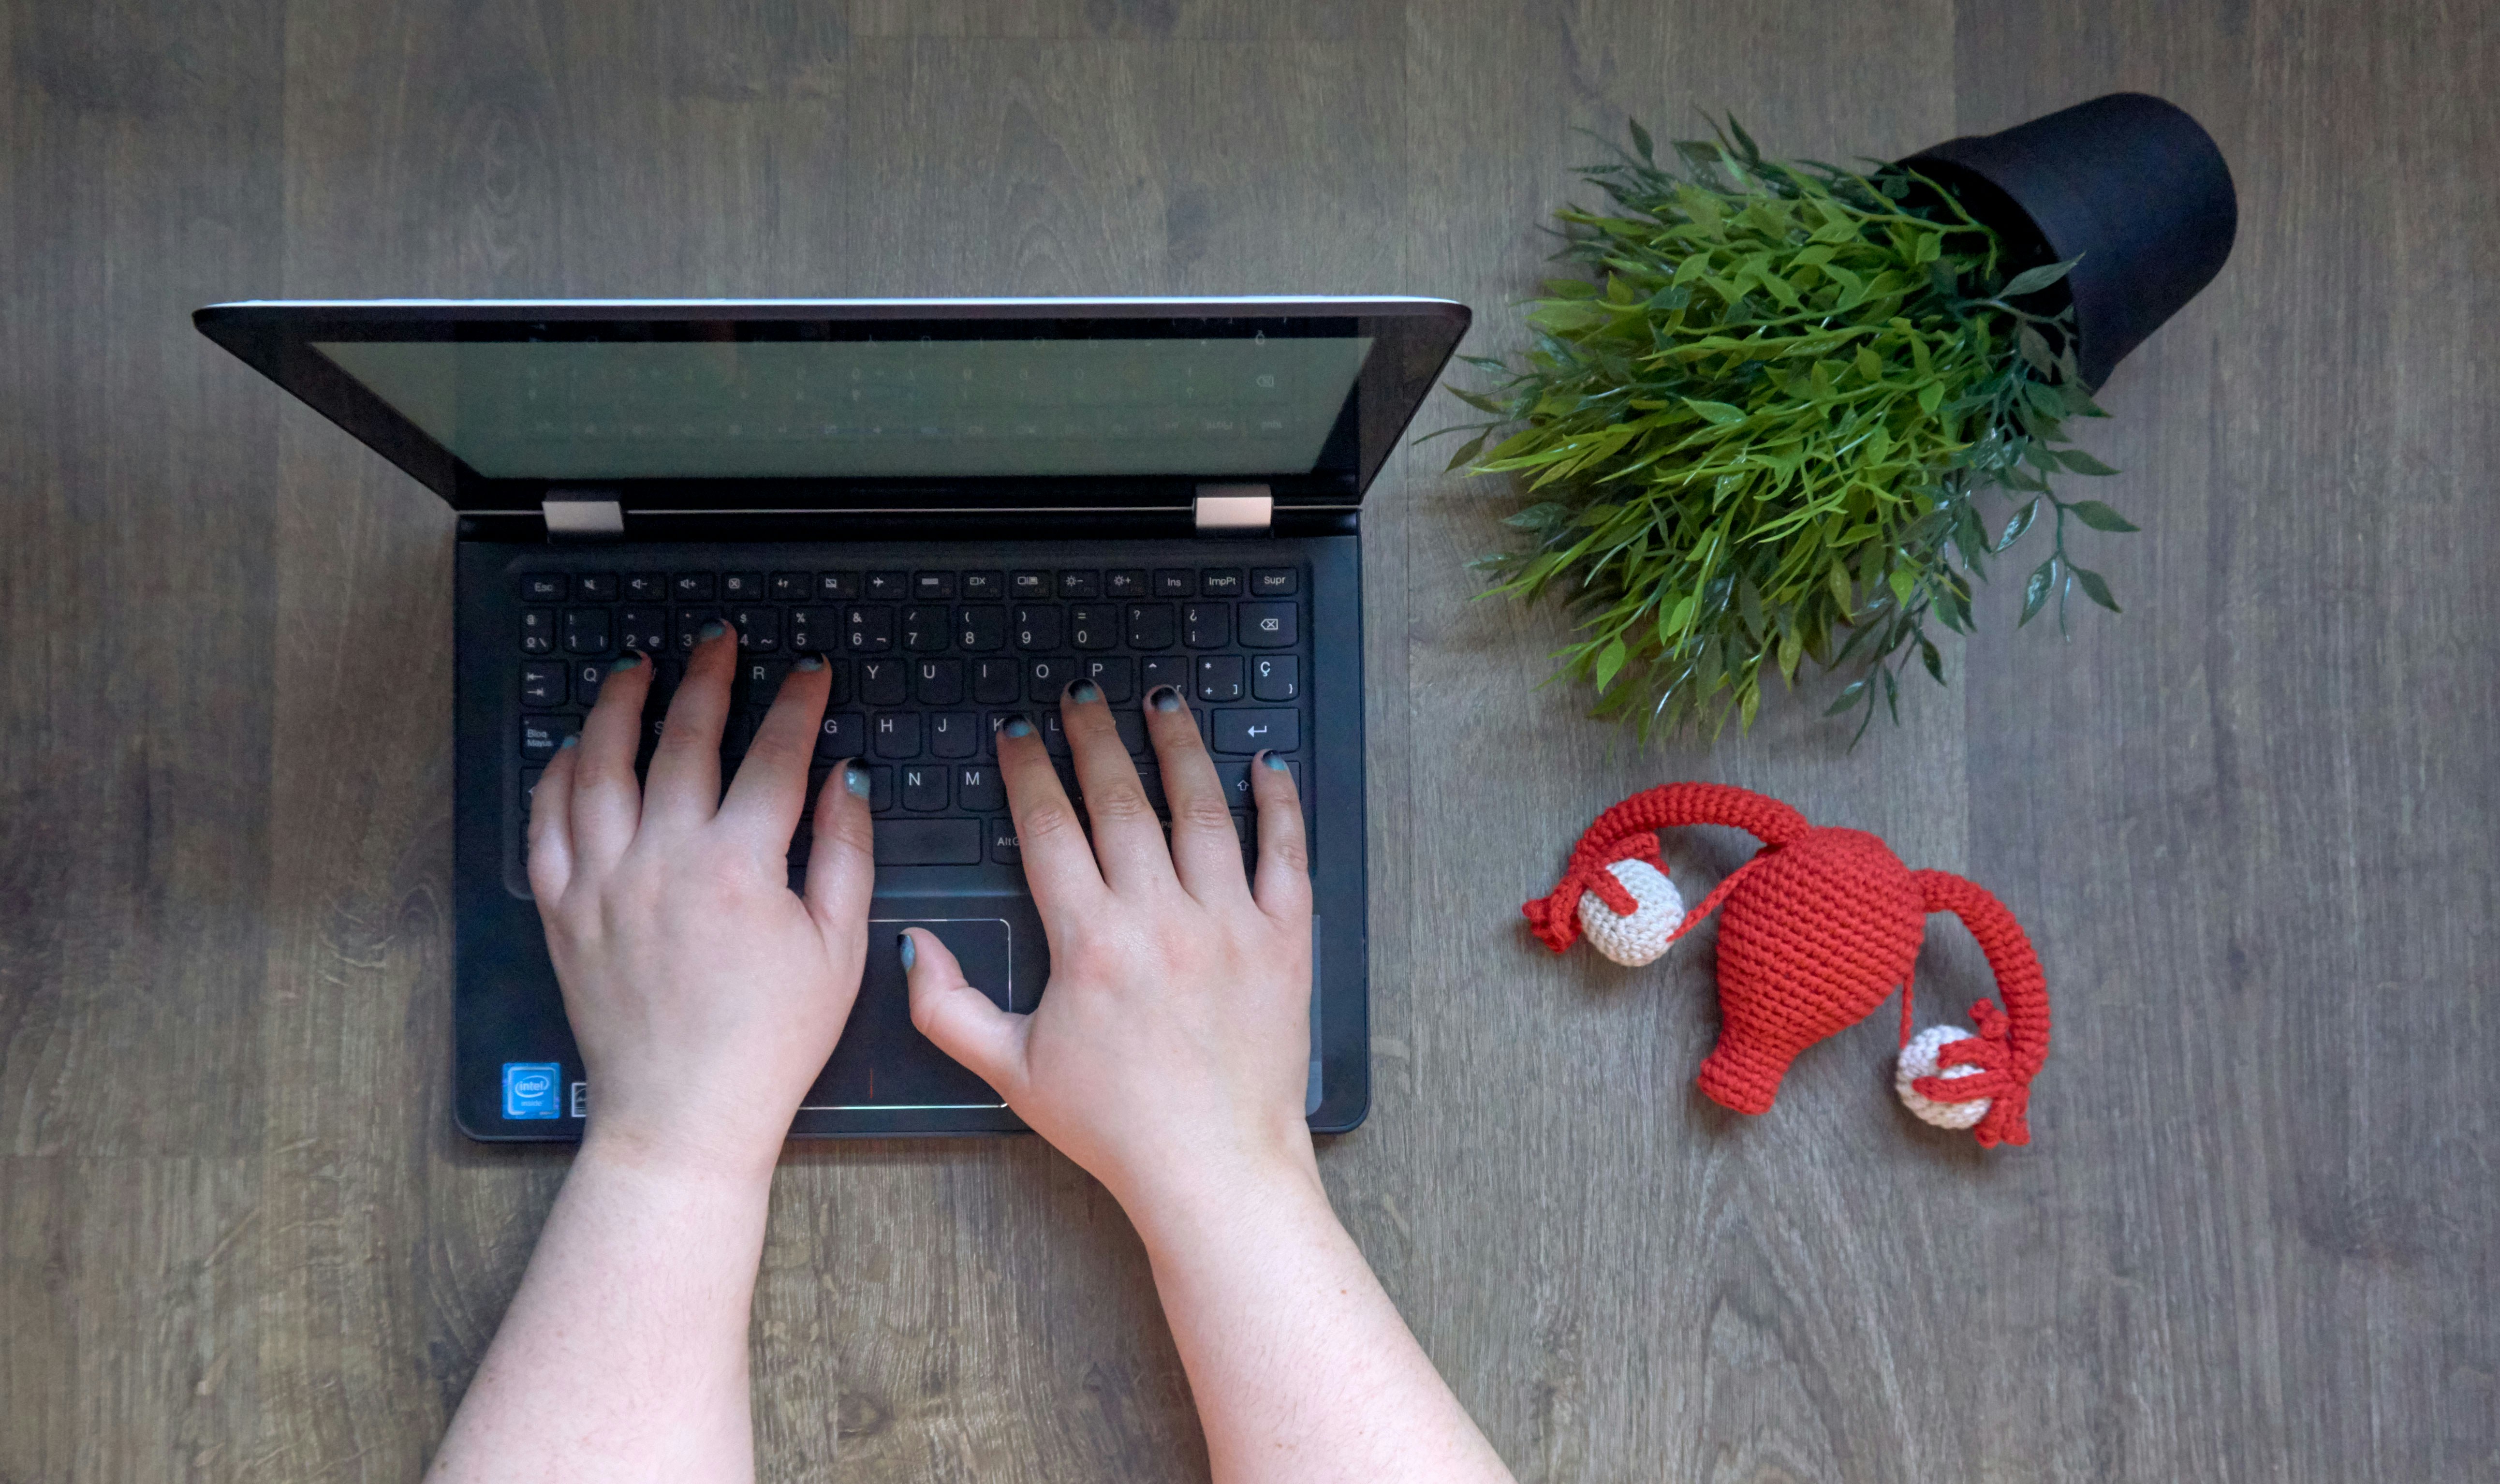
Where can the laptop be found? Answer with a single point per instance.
(962, 505)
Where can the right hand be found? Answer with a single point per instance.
(1169, 1053)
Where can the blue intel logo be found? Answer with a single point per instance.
(530, 1090)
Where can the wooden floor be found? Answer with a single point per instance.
(2251, 824)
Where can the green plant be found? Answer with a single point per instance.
(1758, 431)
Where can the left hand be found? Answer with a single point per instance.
(705, 994)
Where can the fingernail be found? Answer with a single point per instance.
(1164, 697)
(572, 740)
(810, 662)
(1084, 693)
(1272, 761)
(711, 631)
(623, 663)
(1017, 726)
(903, 946)
(855, 778)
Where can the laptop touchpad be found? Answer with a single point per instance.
(882, 1060)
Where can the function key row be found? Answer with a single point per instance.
(553, 684)
(877, 628)
(908, 587)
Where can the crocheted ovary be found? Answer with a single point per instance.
(1819, 928)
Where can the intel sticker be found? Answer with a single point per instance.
(530, 1090)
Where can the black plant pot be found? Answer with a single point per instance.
(2128, 184)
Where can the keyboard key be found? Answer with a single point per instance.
(1092, 627)
(895, 734)
(924, 629)
(1129, 583)
(1037, 628)
(690, 623)
(842, 735)
(932, 586)
(1171, 669)
(542, 684)
(642, 628)
(1131, 727)
(1270, 625)
(938, 683)
(997, 682)
(1029, 584)
(1220, 583)
(541, 736)
(1274, 581)
(1249, 730)
(928, 842)
(743, 587)
(924, 787)
(813, 629)
(692, 587)
(1219, 678)
(979, 789)
(981, 630)
(880, 683)
(595, 586)
(646, 588)
(587, 677)
(793, 587)
(1236, 780)
(1170, 584)
(1150, 626)
(1080, 584)
(1116, 673)
(837, 586)
(759, 629)
(1046, 679)
(759, 680)
(880, 793)
(1275, 677)
(992, 586)
(586, 631)
(839, 673)
(538, 631)
(887, 587)
(1002, 843)
(1207, 625)
(543, 587)
(955, 735)
(1054, 741)
(869, 630)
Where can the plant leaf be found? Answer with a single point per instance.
(2032, 281)
(1719, 412)
(2036, 592)
(2094, 587)
(2100, 517)
(1848, 698)
(2081, 462)
(1466, 451)
(1641, 141)
(2021, 523)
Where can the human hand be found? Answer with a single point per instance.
(1169, 1053)
(705, 994)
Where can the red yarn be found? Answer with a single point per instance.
(1818, 929)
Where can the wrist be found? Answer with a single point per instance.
(1219, 1203)
(718, 1166)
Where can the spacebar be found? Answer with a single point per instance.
(928, 842)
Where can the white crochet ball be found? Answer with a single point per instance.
(1641, 938)
(1919, 1060)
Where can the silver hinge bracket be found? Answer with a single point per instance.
(576, 515)
(1234, 508)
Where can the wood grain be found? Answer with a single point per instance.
(2250, 822)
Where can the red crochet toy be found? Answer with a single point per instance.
(1819, 928)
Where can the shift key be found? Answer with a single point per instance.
(928, 842)
(1278, 730)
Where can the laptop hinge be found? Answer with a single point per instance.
(583, 514)
(1234, 508)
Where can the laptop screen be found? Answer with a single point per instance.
(593, 409)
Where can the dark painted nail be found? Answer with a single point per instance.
(812, 662)
(622, 663)
(1164, 697)
(572, 740)
(1272, 761)
(1017, 726)
(855, 778)
(1085, 693)
(711, 631)
(903, 946)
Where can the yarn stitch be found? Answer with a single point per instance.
(1814, 932)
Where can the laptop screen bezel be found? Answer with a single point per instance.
(1411, 339)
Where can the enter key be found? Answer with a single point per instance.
(1278, 729)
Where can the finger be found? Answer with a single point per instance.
(1128, 839)
(1284, 885)
(770, 790)
(963, 1022)
(841, 866)
(1204, 850)
(606, 797)
(684, 787)
(551, 828)
(1058, 864)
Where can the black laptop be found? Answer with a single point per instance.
(964, 504)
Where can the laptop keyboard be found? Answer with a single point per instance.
(927, 663)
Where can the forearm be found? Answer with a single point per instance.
(624, 1354)
(1302, 1368)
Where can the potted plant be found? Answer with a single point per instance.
(1787, 412)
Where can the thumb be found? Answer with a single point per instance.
(962, 1021)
